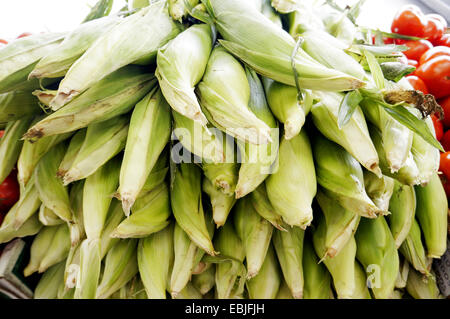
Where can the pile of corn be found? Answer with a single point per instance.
(336, 194)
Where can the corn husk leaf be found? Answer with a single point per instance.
(16, 105)
(263, 207)
(379, 190)
(220, 202)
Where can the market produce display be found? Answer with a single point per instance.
(228, 149)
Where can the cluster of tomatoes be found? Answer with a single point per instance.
(431, 57)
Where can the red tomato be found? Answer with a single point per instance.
(436, 75)
(445, 40)
(417, 83)
(24, 34)
(435, 27)
(446, 183)
(410, 21)
(3, 41)
(434, 52)
(445, 141)
(417, 49)
(444, 166)
(438, 127)
(445, 104)
(2, 132)
(9, 192)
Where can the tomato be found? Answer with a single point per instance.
(417, 48)
(24, 34)
(3, 41)
(410, 20)
(417, 83)
(436, 75)
(2, 132)
(445, 104)
(444, 165)
(435, 27)
(445, 40)
(9, 192)
(446, 183)
(438, 127)
(434, 52)
(445, 141)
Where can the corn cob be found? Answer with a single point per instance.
(284, 292)
(224, 94)
(257, 161)
(89, 269)
(97, 196)
(48, 218)
(185, 197)
(120, 267)
(304, 18)
(266, 283)
(113, 219)
(283, 102)
(58, 249)
(296, 173)
(27, 205)
(379, 190)
(414, 251)
(76, 227)
(189, 292)
(220, 202)
(402, 207)
(50, 188)
(289, 249)
(397, 138)
(180, 66)
(431, 213)
(270, 13)
(205, 281)
(229, 276)
(124, 44)
(376, 247)
(17, 104)
(317, 279)
(7, 233)
(134, 289)
(74, 148)
(18, 59)
(44, 97)
(231, 17)
(10, 145)
(255, 233)
(39, 247)
(56, 63)
(361, 290)
(223, 176)
(353, 137)
(148, 134)
(342, 178)
(49, 283)
(420, 287)
(148, 219)
(155, 258)
(114, 95)
(336, 225)
(337, 24)
(157, 175)
(178, 9)
(72, 267)
(402, 274)
(263, 207)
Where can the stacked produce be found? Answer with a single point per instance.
(221, 149)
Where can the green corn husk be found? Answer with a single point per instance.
(397, 138)
(18, 59)
(58, 249)
(232, 17)
(10, 145)
(89, 269)
(114, 95)
(224, 94)
(51, 190)
(342, 178)
(284, 292)
(338, 24)
(157, 175)
(402, 207)
(408, 174)
(149, 132)
(134, 289)
(414, 251)
(296, 174)
(50, 282)
(180, 66)
(178, 9)
(361, 290)
(285, 6)
(289, 248)
(229, 277)
(74, 148)
(263, 207)
(336, 225)
(98, 193)
(421, 287)
(223, 176)
(353, 137)
(27, 205)
(379, 190)
(155, 258)
(402, 277)
(189, 292)
(304, 18)
(317, 279)
(376, 246)
(185, 198)
(205, 281)
(76, 227)
(257, 160)
(136, 39)
(58, 61)
(39, 247)
(72, 267)
(16, 105)
(120, 267)
(113, 219)
(48, 218)
(44, 96)
(283, 102)
(148, 218)
(266, 283)
(255, 233)
(7, 233)
(103, 141)
(31, 153)
(270, 13)
(341, 266)
(220, 202)
(431, 213)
